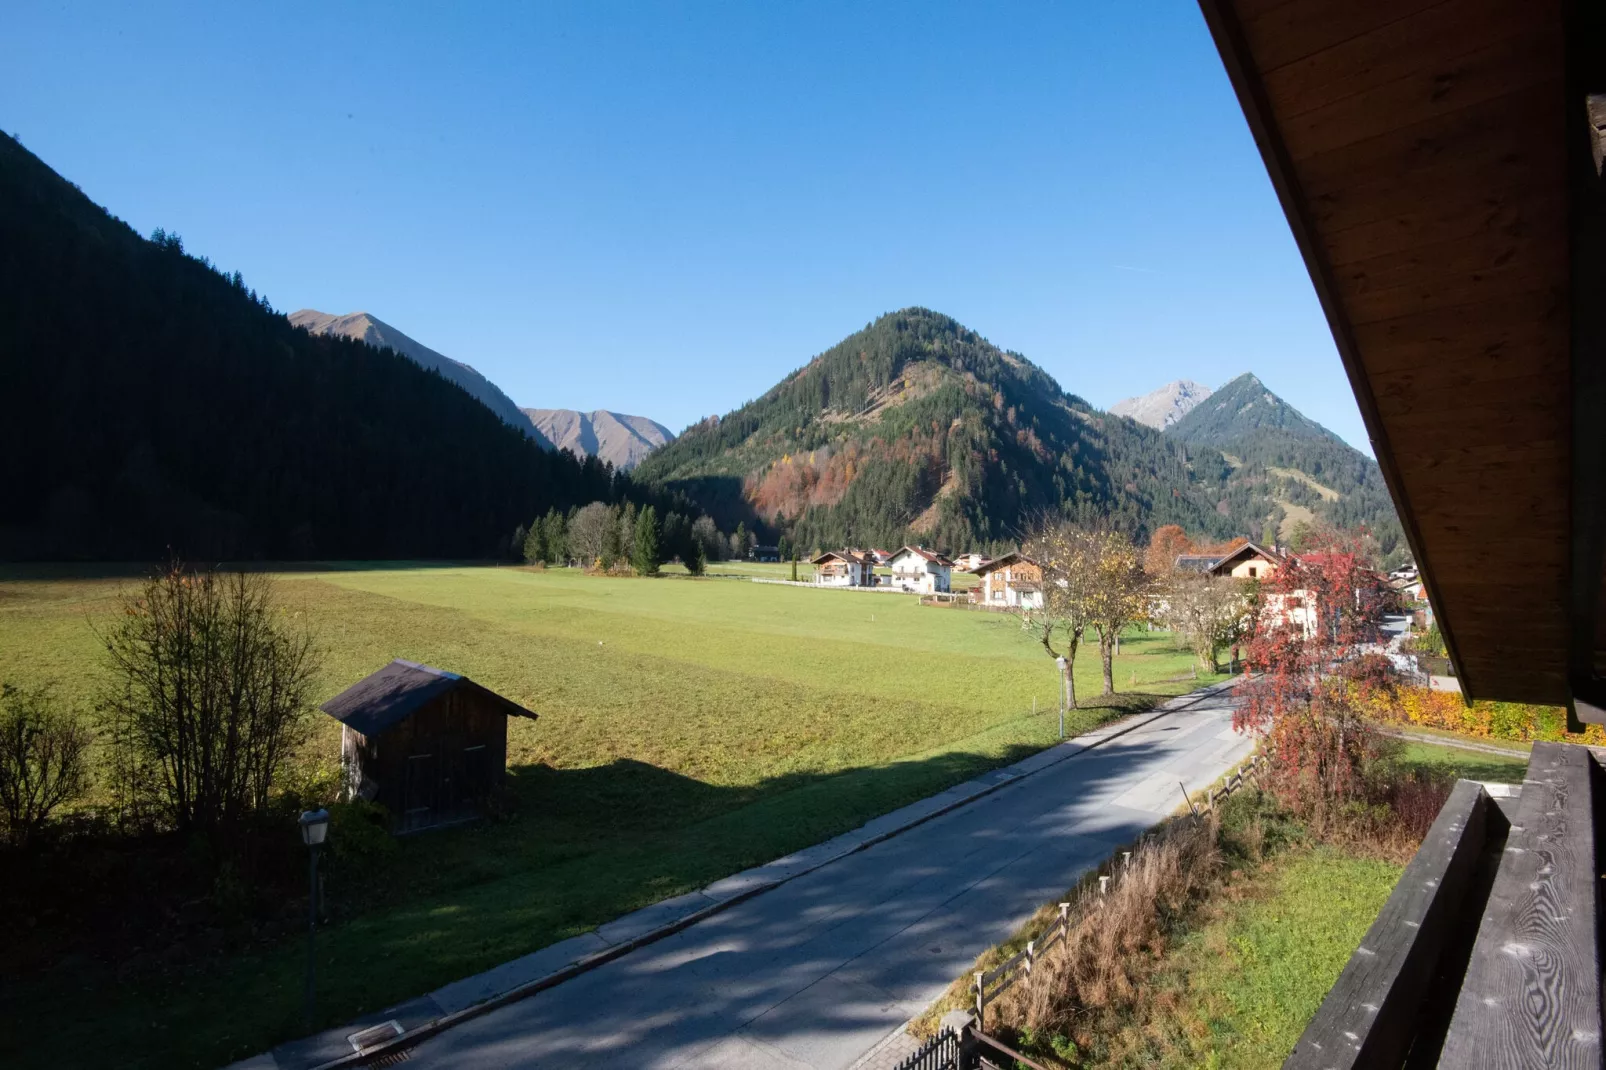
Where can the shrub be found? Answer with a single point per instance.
(1447, 710)
(209, 696)
(44, 760)
(1112, 938)
(359, 832)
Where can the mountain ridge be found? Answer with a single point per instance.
(156, 405)
(1161, 408)
(618, 438)
(918, 428)
(365, 327)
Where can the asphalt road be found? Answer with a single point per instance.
(817, 971)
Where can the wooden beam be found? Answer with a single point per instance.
(1370, 1015)
(1586, 107)
(1531, 995)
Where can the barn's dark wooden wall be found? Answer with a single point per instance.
(439, 764)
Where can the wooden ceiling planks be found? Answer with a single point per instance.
(1419, 151)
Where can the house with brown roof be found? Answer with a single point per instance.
(1247, 562)
(844, 568)
(1013, 580)
(915, 568)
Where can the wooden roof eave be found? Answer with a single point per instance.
(1295, 49)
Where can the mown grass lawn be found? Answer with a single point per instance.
(1257, 972)
(687, 729)
(1465, 764)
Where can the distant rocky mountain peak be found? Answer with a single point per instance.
(1161, 408)
(622, 440)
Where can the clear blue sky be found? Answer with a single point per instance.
(663, 208)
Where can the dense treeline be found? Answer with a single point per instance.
(155, 404)
(621, 537)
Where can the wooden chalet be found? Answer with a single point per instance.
(1247, 562)
(1439, 162)
(428, 745)
(1011, 581)
(844, 568)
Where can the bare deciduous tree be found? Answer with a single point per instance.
(210, 695)
(588, 531)
(1118, 593)
(44, 760)
(1092, 580)
(1207, 613)
(1060, 549)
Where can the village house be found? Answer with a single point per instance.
(1013, 580)
(1247, 562)
(428, 745)
(1197, 562)
(881, 556)
(844, 568)
(970, 562)
(921, 570)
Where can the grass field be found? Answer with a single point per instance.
(687, 729)
(1254, 975)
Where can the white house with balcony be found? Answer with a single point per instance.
(923, 571)
(844, 568)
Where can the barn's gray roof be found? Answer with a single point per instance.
(396, 692)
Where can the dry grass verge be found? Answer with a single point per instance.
(1109, 994)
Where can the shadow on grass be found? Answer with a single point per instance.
(113, 570)
(580, 847)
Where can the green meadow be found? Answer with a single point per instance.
(687, 729)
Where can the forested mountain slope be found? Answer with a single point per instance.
(919, 428)
(381, 335)
(153, 403)
(1279, 454)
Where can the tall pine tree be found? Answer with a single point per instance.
(644, 546)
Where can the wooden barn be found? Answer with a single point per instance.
(427, 744)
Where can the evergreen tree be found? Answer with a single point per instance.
(644, 546)
(534, 548)
(784, 548)
(673, 540)
(555, 538)
(627, 531)
(794, 570)
(515, 545)
(611, 550)
(695, 562)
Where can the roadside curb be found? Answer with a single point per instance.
(1004, 777)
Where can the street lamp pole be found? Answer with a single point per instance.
(314, 826)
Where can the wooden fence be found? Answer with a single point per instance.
(941, 1052)
(990, 984)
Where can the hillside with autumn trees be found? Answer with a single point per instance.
(918, 429)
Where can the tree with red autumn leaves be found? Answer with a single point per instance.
(1316, 617)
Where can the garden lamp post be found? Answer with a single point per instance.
(314, 826)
